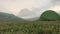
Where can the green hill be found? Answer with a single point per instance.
(49, 15)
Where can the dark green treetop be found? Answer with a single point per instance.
(49, 15)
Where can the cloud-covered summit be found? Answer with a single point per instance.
(26, 13)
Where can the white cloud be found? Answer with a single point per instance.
(16, 5)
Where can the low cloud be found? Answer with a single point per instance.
(36, 6)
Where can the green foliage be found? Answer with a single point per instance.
(36, 27)
(49, 15)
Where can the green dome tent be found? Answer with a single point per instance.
(49, 15)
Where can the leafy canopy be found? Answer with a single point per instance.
(49, 15)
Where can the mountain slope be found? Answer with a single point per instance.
(9, 17)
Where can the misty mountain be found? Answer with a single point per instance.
(28, 15)
(9, 17)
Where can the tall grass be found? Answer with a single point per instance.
(35, 27)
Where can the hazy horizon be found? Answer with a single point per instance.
(35, 6)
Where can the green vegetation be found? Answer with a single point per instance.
(35, 27)
(49, 15)
(11, 24)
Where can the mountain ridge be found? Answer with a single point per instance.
(9, 17)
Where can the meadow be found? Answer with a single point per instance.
(34, 27)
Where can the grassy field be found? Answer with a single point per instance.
(35, 27)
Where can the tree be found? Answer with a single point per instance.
(49, 15)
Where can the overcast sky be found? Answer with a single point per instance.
(15, 6)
